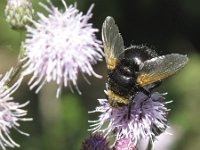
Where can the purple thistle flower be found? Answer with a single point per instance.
(147, 117)
(95, 142)
(59, 46)
(11, 113)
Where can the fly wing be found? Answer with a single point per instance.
(161, 67)
(112, 42)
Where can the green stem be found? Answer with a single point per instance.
(22, 35)
(15, 72)
(20, 64)
(21, 50)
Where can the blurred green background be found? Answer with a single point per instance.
(169, 26)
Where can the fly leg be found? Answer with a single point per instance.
(148, 90)
(129, 107)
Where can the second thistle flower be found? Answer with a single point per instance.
(145, 118)
(11, 112)
(59, 46)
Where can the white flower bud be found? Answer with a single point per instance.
(18, 13)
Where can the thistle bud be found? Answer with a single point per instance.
(17, 13)
(95, 142)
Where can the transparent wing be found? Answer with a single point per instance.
(159, 68)
(112, 41)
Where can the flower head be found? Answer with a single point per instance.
(60, 45)
(11, 113)
(95, 141)
(141, 119)
(17, 13)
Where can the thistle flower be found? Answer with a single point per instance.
(59, 46)
(147, 116)
(95, 142)
(17, 13)
(11, 113)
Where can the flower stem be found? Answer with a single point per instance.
(18, 68)
(21, 50)
(15, 72)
